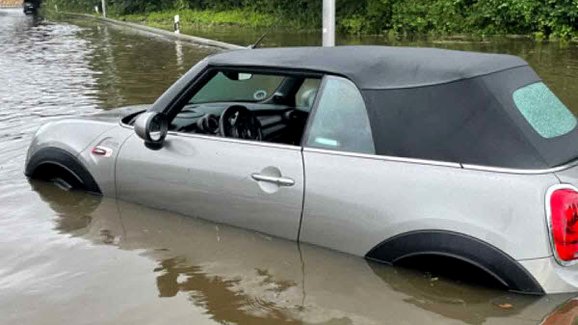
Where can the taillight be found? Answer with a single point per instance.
(564, 223)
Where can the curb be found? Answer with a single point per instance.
(182, 37)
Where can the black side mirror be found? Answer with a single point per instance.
(152, 127)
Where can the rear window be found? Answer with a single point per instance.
(544, 111)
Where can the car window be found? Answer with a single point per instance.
(241, 87)
(340, 120)
(249, 106)
(305, 96)
(544, 111)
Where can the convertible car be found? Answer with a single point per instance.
(394, 154)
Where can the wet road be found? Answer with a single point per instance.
(71, 258)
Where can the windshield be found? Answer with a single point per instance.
(237, 87)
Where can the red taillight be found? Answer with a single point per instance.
(564, 219)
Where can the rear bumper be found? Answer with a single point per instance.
(553, 277)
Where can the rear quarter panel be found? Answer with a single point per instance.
(353, 203)
(569, 176)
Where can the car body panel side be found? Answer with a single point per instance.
(553, 277)
(568, 175)
(354, 203)
(212, 178)
(102, 167)
(77, 136)
(72, 135)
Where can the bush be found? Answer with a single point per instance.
(547, 18)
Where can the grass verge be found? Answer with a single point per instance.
(241, 18)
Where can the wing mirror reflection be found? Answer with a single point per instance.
(152, 127)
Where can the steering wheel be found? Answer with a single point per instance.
(239, 122)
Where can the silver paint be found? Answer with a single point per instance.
(210, 178)
(354, 203)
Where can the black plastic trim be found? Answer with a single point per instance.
(65, 160)
(498, 264)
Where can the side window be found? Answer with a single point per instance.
(248, 105)
(544, 111)
(340, 121)
(305, 96)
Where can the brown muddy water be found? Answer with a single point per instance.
(72, 258)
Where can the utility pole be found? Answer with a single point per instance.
(328, 23)
(103, 8)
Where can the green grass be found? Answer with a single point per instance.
(242, 18)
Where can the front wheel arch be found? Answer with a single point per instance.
(48, 163)
(475, 252)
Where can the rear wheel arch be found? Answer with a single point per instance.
(48, 163)
(464, 248)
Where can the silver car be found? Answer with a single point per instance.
(395, 154)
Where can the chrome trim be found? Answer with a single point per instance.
(386, 158)
(520, 171)
(232, 140)
(124, 125)
(481, 168)
(548, 196)
(281, 181)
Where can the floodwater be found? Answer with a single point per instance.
(72, 258)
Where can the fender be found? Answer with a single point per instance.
(488, 258)
(64, 160)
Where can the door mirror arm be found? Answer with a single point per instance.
(152, 127)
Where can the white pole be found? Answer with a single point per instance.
(103, 8)
(328, 23)
(177, 24)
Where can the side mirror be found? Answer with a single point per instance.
(152, 127)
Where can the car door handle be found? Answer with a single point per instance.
(281, 181)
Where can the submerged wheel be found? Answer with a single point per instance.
(62, 169)
(437, 247)
(62, 183)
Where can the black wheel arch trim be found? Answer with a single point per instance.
(65, 160)
(483, 255)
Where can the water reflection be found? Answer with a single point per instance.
(135, 68)
(54, 70)
(242, 277)
(180, 56)
(220, 297)
(565, 314)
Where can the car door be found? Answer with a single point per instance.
(253, 185)
(342, 196)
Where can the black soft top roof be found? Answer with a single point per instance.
(376, 67)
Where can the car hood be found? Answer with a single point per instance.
(115, 114)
